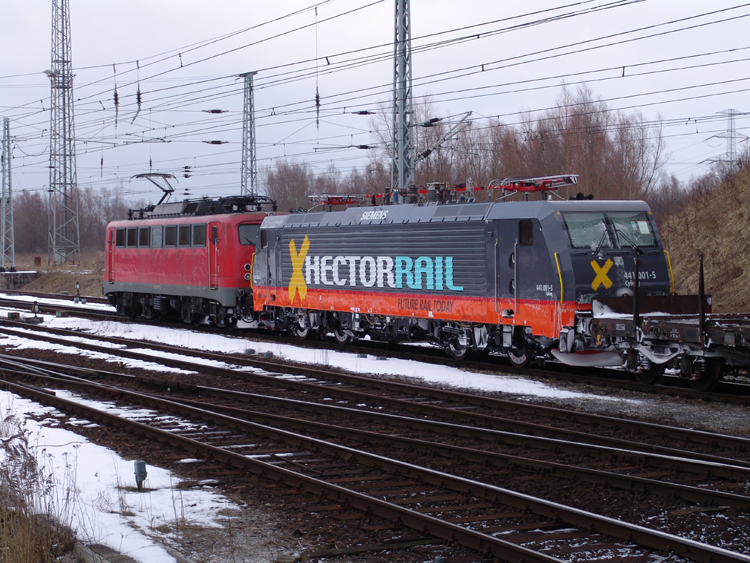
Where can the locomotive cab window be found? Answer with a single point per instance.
(263, 239)
(144, 236)
(170, 235)
(183, 235)
(132, 237)
(120, 238)
(587, 230)
(199, 235)
(526, 232)
(632, 229)
(249, 234)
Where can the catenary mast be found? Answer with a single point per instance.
(7, 237)
(64, 236)
(402, 167)
(249, 177)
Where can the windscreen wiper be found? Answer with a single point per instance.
(630, 242)
(601, 242)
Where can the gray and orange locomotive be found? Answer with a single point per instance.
(523, 279)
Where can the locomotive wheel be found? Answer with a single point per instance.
(302, 332)
(519, 358)
(457, 350)
(709, 378)
(343, 337)
(301, 326)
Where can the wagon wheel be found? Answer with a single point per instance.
(708, 379)
(651, 374)
(643, 370)
(343, 336)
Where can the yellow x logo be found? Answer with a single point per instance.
(297, 282)
(601, 275)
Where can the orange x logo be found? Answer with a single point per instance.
(601, 275)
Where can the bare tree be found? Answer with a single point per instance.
(30, 222)
(616, 155)
(289, 184)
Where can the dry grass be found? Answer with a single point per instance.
(56, 279)
(715, 225)
(31, 529)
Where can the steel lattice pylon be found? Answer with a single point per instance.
(7, 238)
(402, 167)
(64, 236)
(248, 181)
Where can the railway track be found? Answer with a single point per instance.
(296, 415)
(313, 381)
(59, 296)
(342, 388)
(272, 377)
(737, 392)
(451, 507)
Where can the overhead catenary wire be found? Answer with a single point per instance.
(183, 130)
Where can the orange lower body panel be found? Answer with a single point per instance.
(545, 318)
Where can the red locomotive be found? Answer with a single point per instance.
(191, 259)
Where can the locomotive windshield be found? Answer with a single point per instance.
(599, 230)
(632, 229)
(249, 234)
(587, 230)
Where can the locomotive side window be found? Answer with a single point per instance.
(144, 236)
(587, 230)
(120, 238)
(132, 237)
(170, 235)
(199, 235)
(526, 232)
(183, 234)
(632, 228)
(263, 239)
(156, 236)
(249, 234)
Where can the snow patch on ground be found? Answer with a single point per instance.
(105, 507)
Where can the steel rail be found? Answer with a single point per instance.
(446, 412)
(670, 386)
(625, 482)
(483, 543)
(384, 385)
(62, 297)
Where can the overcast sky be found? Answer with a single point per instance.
(684, 62)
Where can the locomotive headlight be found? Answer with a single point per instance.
(248, 267)
(247, 276)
